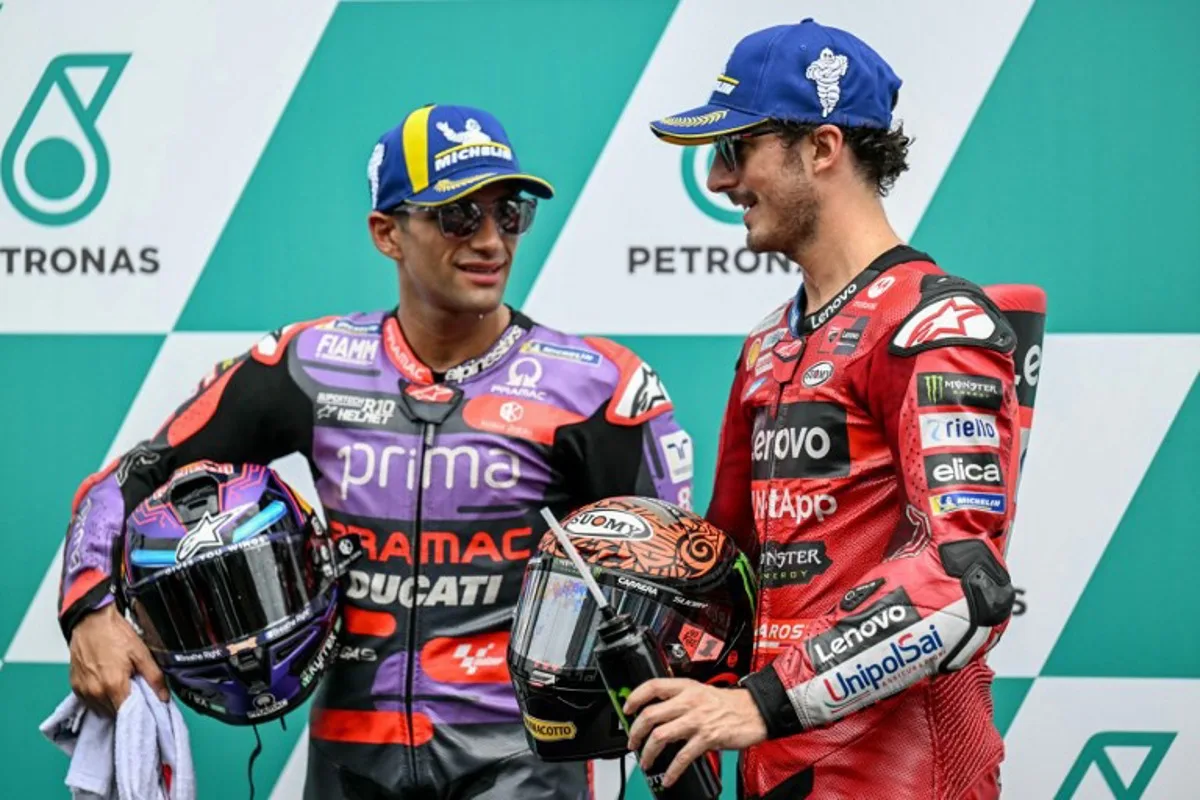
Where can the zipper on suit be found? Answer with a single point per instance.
(426, 442)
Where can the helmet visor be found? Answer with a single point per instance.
(227, 595)
(557, 618)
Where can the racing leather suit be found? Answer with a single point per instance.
(442, 477)
(868, 457)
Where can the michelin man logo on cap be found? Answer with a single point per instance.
(826, 72)
(472, 133)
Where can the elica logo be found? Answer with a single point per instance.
(1095, 752)
(55, 167)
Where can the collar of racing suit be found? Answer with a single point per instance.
(518, 327)
(900, 254)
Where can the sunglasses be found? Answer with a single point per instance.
(730, 147)
(463, 218)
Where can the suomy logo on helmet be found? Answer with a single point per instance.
(606, 523)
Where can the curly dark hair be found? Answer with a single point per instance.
(881, 156)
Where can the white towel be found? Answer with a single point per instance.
(136, 757)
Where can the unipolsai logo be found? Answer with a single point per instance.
(55, 165)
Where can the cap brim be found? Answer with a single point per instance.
(447, 190)
(703, 124)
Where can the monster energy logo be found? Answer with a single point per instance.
(618, 700)
(935, 386)
(55, 171)
(949, 388)
(1095, 753)
(742, 565)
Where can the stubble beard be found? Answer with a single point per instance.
(794, 226)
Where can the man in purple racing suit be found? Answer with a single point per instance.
(435, 433)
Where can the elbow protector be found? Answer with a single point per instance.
(987, 588)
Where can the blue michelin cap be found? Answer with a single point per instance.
(805, 72)
(440, 153)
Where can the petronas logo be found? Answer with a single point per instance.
(55, 167)
(1095, 753)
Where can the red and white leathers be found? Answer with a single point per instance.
(868, 461)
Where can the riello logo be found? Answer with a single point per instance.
(55, 168)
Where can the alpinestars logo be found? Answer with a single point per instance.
(643, 393)
(206, 534)
(953, 318)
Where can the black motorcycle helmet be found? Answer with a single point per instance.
(665, 567)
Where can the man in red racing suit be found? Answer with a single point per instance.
(868, 458)
(873, 473)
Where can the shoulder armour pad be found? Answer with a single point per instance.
(640, 394)
(271, 348)
(952, 312)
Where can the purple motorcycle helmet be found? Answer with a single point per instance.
(231, 580)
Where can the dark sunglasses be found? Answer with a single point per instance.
(463, 218)
(729, 148)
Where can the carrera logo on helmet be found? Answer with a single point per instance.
(637, 586)
(545, 731)
(606, 524)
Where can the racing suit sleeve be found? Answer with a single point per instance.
(942, 594)
(730, 509)
(245, 410)
(632, 445)
(602, 458)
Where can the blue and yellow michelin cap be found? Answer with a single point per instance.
(440, 153)
(805, 72)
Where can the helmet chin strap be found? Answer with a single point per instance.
(283, 724)
(250, 767)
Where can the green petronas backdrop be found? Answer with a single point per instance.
(177, 180)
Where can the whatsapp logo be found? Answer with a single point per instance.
(54, 167)
(695, 164)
